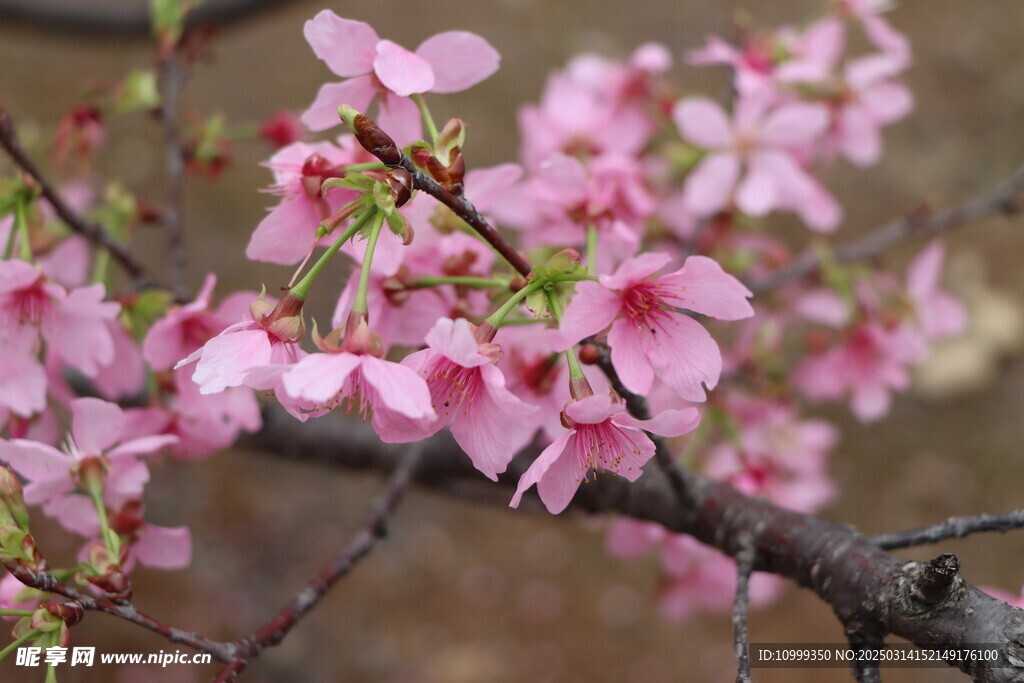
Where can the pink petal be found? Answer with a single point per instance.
(631, 538)
(164, 547)
(285, 234)
(707, 289)
(402, 72)
(860, 140)
(824, 307)
(96, 425)
(635, 270)
(709, 186)
(36, 461)
(592, 309)
(347, 47)
(78, 332)
(561, 480)
(870, 402)
(560, 448)
(320, 376)
(685, 356)
(75, 512)
(703, 122)
(226, 358)
(323, 113)
(454, 340)
(459, 60)
(487, 186)
(794, 124)
(143, 446)
(668, 423)
(888, 102)
(758, 194)
(592, 409)
(400, 118)
(924, 271)
(629, 357)
(22, 383)
(399, 388)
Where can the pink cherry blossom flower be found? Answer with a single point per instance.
(468, 394)
(183, 329)
(877, 29)
(630, 83)
(601, 437)
(394, 394)
(647, 335)
(269, 338)
(287, 233)
(937, 315)
(750, 160)
(73, 324)
(776, 455)
(96, 429)
(380, 69)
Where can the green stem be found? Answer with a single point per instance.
(360, 305)
(368, 166)
(16, 612)
(521, 321)
(498, 316)
(302, 289)
(110, 539)
(51, 674)
(10, 648)
(100, 266)
(575, 371)
(591, 249)
(427, 118)
(21, 227)
(425, 281)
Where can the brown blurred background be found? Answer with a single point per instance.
(461, 592)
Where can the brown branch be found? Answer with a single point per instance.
(360, 545)
(741, 637)
(172, 80)
(954, 527)
(1004, 198)
(91, 231)
(47, 582)
(90, 20)
(867, 587)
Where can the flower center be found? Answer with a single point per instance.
(644, 306)
(602, 447)
(28, 305)
(452, 387)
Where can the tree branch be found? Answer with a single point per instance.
(91, 231)
(88, 20)
(954, 527)
(1005, 198)
(360, 545)
(741, 638)
(864, 584)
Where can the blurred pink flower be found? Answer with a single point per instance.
(751, 161)
(602, 437)
(647, 334)
(380, 69)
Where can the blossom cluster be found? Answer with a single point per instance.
(644, 212)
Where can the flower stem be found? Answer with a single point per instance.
(21, 228)
(425, 281)
(591, 248)
(28, 635)
(427, 118)
(498, 316)
(302, 289)
(110, 539)
(578, 384)
(360, 304)
(16, 612)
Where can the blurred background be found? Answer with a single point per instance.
(463, 592)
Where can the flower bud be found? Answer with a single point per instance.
(370, 136)
(44, 621)
(285, 322)
(69, 612)
(450, 141)
(588, 354)
(12, 501)
(400, 182)
(565, 261)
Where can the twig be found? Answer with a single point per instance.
(96, 21)
(954, 527)
(47, 582)
(360, 545)
(172, 79)
(1006, 198)
(741, 640)
(862, 638)
(91, 231)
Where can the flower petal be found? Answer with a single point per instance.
(402, 72)
(703, 287)
(323, 113)
(560, 448)
(348, 47)
(96, 425)
(709, 186)
(703, 122)
(459, 60)
(629, 357)
(320, 376)
(592, 309)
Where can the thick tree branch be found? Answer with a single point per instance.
(741, 638)
(358, 547)
(88, 20)
(863, 584)
(91, 231)
(954, 527)
(1006, 198)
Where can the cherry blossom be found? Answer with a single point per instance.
(647, 335)
(379, 69)
(602, 437)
